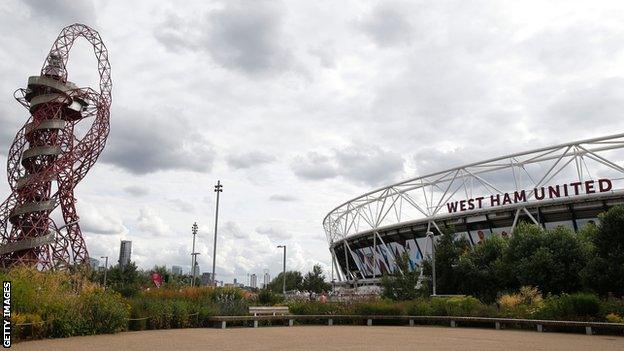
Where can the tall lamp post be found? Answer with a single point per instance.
(105, 269)
(433, 265)
(193, 255)
(218, 189)
(284, 270)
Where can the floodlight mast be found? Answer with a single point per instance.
(193, 254)
(218, 188)
(46, 150)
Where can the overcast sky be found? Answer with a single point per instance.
(298, 106)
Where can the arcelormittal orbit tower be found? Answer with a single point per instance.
(47, 160)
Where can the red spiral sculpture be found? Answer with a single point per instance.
(46, 160)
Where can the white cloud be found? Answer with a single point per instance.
(150, 223)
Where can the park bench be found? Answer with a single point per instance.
(268, 310)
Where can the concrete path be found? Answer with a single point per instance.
(342, 338)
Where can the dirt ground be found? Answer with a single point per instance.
(358, 338)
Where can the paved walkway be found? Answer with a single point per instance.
(358, 338)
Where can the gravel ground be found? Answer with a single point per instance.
(358, 338)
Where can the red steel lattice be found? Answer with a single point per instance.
(47, 160)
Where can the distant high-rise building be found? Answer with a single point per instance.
(206, 278)
(125, 250)
(235, 281)
(94, 263)
(267, 278)
(253, 281)
(176, 270)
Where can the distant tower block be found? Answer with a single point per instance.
(125, 252)
(46, 160)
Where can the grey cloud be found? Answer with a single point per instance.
(371, 165)
(64, 12)
(573, 47)
(181, 205)
(314, 166)
(361, 164)
(136, 190)
(282, 198)
(430, 160)
(388, 24)
(8, 129)
(249, 159)
(581, 106)
(274, 233)
(241, 36)
(232, 230)
(143, 145)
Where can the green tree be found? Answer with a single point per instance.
(294, 281)
(482, 271)
(548, 259)
(127, 280)
(314, 281)
(448, 250)
(605, 270)
(402, 287)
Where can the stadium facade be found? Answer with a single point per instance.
(563, 185)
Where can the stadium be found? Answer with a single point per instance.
(563, 185)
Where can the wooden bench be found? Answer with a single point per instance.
(268, 310)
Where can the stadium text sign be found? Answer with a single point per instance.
(541, 193)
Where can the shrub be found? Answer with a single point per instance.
(419, 307)
(104, 312)
(315, 307)
(465, 306)
(35, 330)
(381, 308)
(580, 306)
(204, 313)
(268, 298)
(180, 312)
(64, 318)
(614, 318)
(522, 304)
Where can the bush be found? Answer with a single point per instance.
(180, 312)
(612, 306)
(63, 318)
(318, 308)
(580, 306)
(419, 307)
(466, 306)
(614, 318)
(379, 308)
(104, 312)
(34, 331)
(268, 298)
(522, 304)
(204, 312)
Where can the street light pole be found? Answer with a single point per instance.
(284, 270)
(218, 189)
(193, 255)
(433, 265)
(105, 269)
